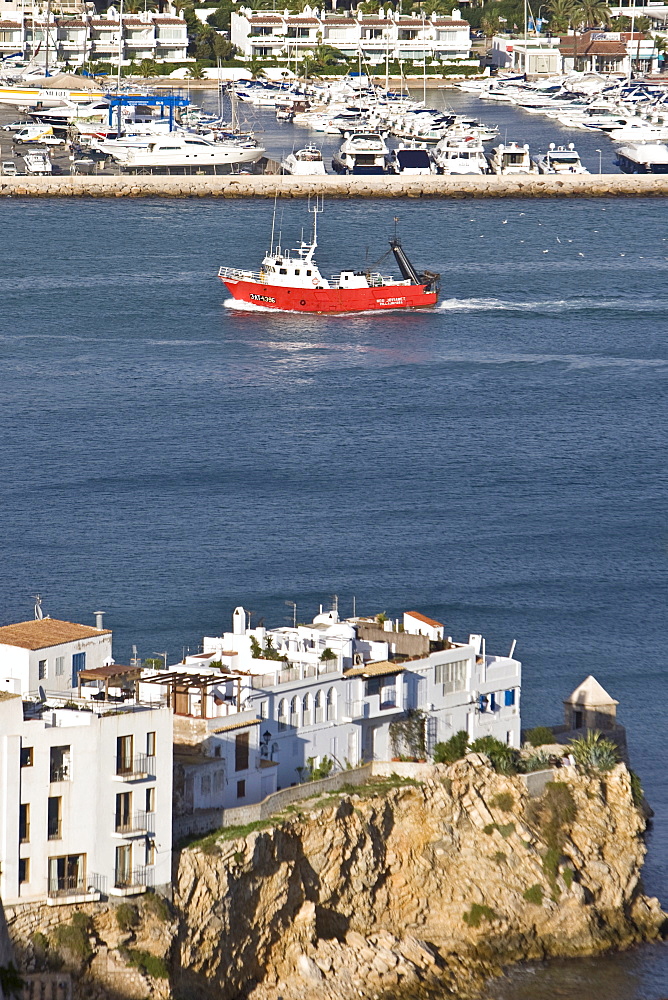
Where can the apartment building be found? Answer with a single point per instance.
(46, 655)
(376, 37)
(333, 688)
(85, 800)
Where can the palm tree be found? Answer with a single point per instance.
(562, 14)
(660, 47)
(592, 14)
(327, 55)
(255, 67)
(147, 68)
(196, 72)
(490, 24)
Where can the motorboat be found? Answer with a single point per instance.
(511, 158)
(460, 155)
(304, 162)
(182, 152)
(411, 161)
(635, 130)
(290, 280)
(37, 161)
(560, 160)
(361, 153)
(643, 158)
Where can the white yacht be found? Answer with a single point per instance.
(560, 160)
(37, 161)
(511, 158)
(460, 155)
(304, 162)
(410, 161)
(180, 151)
(636, 130)
(361, 153)
(643, 158)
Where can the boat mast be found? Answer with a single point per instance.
(273, 223)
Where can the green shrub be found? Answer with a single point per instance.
(453, 749)
(73, 939)
(503, 801)
(568, 875)
(490, 828)
(595, 752)
(478, 913)
(506, 830)
(637, 792)
(551, 862)
(539, 736)
(82, 921)
(499, 857)
(40, 944)
(539, 761)
(151, 965)
(502, 757)
(127, 916)
(534, 894)
(157, 906)
(552, 813)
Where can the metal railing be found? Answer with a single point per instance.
(130, 878)
(71, 885)
(139, 823)
(237, 275)
(60, 772)
(140, 765)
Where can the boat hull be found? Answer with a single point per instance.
(331, 300)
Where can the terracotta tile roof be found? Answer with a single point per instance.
(169, 20)
(379, 669)
(46, 632)
(303, 20)
(445, 23)
(333, 22)
(104, 22)
(66, 22)
(586, 47)
(370, 22)
(409, 22)
(423, 618)
(10, 24)
(235, 725)
(265, 20)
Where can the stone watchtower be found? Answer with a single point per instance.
(590, 707)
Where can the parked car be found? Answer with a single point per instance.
(14, 126)
(38, 133)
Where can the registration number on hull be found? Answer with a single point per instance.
(261, 298)
(400, 301)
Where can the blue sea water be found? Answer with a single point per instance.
(498, 462)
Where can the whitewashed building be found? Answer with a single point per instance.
(85, 801)
(333, 688)
(376, 37)
(46, 655)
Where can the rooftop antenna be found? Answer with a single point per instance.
(293, 605)
(39, 614)
(335, 603)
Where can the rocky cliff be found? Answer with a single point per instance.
(442, 881)
(400, 886)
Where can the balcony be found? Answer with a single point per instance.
(138, 824)
(75, 889)
(131, 882)
(137, 768)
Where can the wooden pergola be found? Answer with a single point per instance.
(180, 683)
(126, 678)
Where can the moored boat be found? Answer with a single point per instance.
(290, 281)
(560, 160)
(643, 158)
(511, 158)
(304, 162)
(361, 153)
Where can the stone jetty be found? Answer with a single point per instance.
(335, 186)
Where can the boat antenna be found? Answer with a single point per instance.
(396, 219)
(273, 222)
(318, 207)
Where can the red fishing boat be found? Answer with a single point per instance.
(290, 280)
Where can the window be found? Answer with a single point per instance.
(241, 751)
(205, 784)
(241, 789)
(60, 764)
(78, 664)
(219, 780)
(67, 874)
(150, 852)
(264, 709)
(282, 714)
(55, 817)
(282, 270)
(309, 273)
(24, 870)
(123, 873)
(41, 670)
(150, 744)
(331, 705)
(388, 693)
(493, 703)
(150, 800)
(509, 697)
(217, 750)
(123, 811)
(60, 666)
(297, 271)
(319, 707)
(124, 754)
(372, 687)
(451, 675)
(26, 756)
(294, 712)
(24, 823)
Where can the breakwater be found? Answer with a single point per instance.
(335, 186)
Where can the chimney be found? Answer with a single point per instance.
(99, 616)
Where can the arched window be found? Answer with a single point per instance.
(294, 712)
(307, 714)
(319, 707)
(282, 714)
(331, 705)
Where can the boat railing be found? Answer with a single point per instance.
(238, 275)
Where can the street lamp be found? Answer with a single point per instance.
(164, 655)
(600, 158)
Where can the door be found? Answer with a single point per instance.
(123, 865)
(78, 664)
